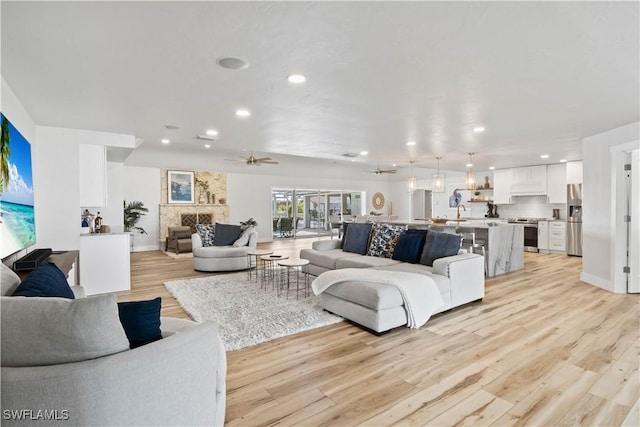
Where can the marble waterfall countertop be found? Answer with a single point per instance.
(504, 242)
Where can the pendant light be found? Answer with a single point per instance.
(437, 185)
(411, 183)
(470, 178)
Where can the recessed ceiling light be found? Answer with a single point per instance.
(296, 78)
(364, 153)
(411, 143)
(563, 161)
(394, 165)
(544, 156)
(165, 141)
(207, 145)
(478, 129)
(232, 63)
(242, 112)
(492, 167)
(212, 132)
(469, 165)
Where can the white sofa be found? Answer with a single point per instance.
(221, 258)
(459, 278)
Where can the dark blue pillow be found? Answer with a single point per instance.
(356, 238)
(226, 234)
(45, 281)
(141, 321)
(439, 245)
(420, 231)
(409, 247)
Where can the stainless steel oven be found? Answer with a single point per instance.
(530, 232)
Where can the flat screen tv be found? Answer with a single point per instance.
(17, 220)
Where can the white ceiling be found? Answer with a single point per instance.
(539, 76)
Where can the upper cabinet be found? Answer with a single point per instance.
(92, 175)
(574, 173)
(557, 180)
(502, 186)
(529, 181)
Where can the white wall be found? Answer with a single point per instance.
(112, 214)
(598, 203)
(143, 184)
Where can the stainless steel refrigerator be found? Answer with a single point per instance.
(574, 219)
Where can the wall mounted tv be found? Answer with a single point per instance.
(17, 220)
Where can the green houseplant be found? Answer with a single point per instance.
(132, 213)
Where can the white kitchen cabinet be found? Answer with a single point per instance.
(543, 235)
(105, 262)
(574, 173)
(92, 179)
(557, 236)
(502, 186)
(557, 183)
(528, 181)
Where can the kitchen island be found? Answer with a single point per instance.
(503, 242)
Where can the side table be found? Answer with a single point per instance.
(270, 269)
(298, 268)
(255, 254)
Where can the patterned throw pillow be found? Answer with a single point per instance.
(207, 232)
(384, 238)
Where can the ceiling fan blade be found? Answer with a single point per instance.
(268, 162)
(262, 159)
(389, 171)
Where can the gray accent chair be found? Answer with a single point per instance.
(221, 258)
(176, 381)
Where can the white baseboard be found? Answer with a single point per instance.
(596, 281)
(146, 248)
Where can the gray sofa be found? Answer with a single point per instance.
(221, 258)
(178, 380)
(459, 278)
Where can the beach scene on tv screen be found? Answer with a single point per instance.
(17, 222)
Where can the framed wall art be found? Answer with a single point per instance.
(180, 187)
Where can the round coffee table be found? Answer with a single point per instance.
(255, 253)
(298, 269)
(271, 268)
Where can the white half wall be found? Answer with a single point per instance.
(599, 210)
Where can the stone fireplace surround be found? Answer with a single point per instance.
(171, 213)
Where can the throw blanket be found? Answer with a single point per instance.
(419, 292)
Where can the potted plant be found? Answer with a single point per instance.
(204, 188)
(132, 213)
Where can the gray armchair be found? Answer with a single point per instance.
(178, 239)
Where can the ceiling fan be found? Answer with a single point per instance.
(379, 171)
(255, 161)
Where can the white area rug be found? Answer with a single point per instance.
(246, 314)
(178, 256)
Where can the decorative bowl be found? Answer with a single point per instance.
(439, 220)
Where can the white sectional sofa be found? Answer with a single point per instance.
(459, 278)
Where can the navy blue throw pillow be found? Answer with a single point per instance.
(356, 238)
(409, 247)
(45, 281)
(439, 245)
(141, 321)
(226, 234)
(419, 231)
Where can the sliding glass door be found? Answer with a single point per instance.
(299, 213)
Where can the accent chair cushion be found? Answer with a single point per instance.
(182, 234)
(141, 321)
(226, 234)
(409, 247)
(45, 281)
(10, 281)
(48, 331)
(243, 240)
(439, 245)
(384, 238)
(357, 238)
(207, 233)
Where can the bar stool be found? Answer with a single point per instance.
(469, 241)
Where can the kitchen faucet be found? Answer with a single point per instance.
(458, 210)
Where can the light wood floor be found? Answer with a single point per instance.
(541, 349)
